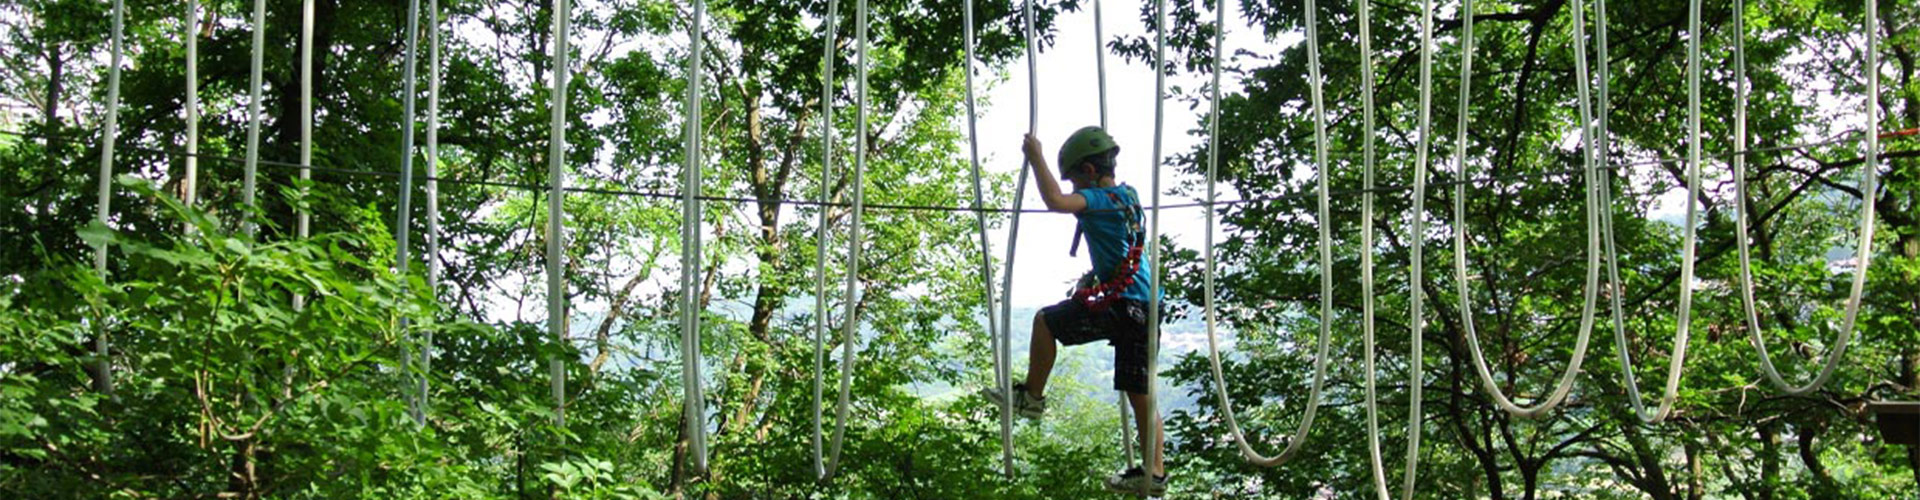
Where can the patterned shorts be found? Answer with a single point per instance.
(1123, 325)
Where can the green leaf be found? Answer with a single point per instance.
(97, 234)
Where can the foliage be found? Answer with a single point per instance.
(1733, 434)
(224, 387)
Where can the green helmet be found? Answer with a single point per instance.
(1088, 141)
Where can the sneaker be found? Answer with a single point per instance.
(1024, 404)
(1134, 482)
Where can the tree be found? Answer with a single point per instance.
(1527, 238)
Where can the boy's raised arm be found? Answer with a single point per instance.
(1049, 185)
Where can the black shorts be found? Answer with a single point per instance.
(1123, 324)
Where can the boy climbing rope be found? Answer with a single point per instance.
(1110, 303)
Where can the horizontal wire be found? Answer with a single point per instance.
(1389, 188)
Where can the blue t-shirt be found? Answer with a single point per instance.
(1109, 224)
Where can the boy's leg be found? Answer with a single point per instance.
(1131, 376)
(1147, 420)
(1066, 323)
(1040, 357)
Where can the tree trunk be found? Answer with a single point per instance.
(1769, 461)
(1530, 479)
(680, 479)
(56, 85)
(1696, 489)
(1654, 480)
(242, 482)
(1822, 479)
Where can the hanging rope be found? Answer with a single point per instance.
(823, 229)
(1686, 254)
(1605, 197)
(690, 251)
(556, 211)
(110, 134)
(254, 89)
(1002, 342)
(190, 35)
(433, 190)
(404, 226)
(1100, 75)
(1326, 252)
(1150, 438)
(1417, 276)
(303, 221)
(1869, 177)
(980, 224)
(1681, 334)
(850, 318)
(1461, 282)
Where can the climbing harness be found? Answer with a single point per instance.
(1096, 295)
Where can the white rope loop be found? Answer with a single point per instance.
(433, 143)
(556, 195)
(254, 90)
(190, 36)
(1151, 438)
(1326, 272)
(1691, 241)
(1567, 378)
(690, 252)
(1604, 196)
(433, 183)
(822, 229)
(109, 135)
(980, 221)
(1100, 77)
(403, 216)
(1376, 465)
(1367, 111)
(303, 220)
(850, 319)
(1681, 335)
(1003, 359)
(1869, 178)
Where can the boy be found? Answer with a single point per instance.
(1111, 301)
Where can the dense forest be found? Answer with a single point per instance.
(247, 362)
